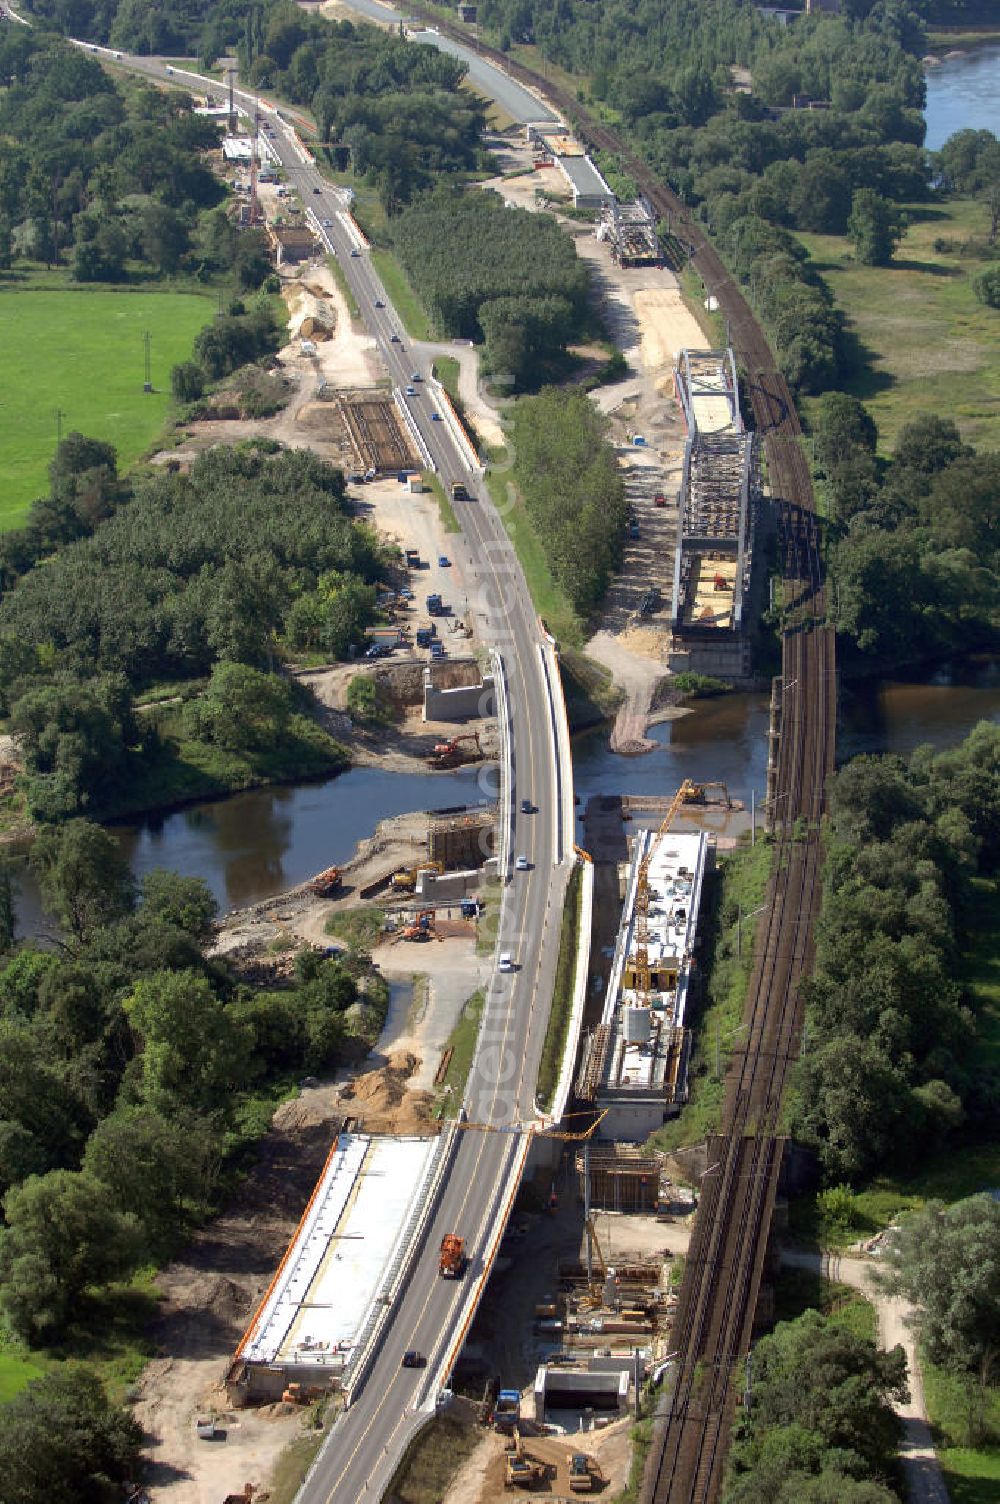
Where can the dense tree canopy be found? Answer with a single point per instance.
(946, 1261)
(572, 490)
(488, 272)
(126, 1064)
(188, 575)
(821, 1427)
(893, 1061)
(916, 555)
(97, 173)
(63, 1234)
(62, 1438)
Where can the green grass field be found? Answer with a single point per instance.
(930, 347)
(554, 1046)
(462, 1043)
(16, 1371)
(402, 296)
(447, 370)
(954, 1403)
(549, 600)
(81, 352)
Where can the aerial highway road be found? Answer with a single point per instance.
(364, 1446)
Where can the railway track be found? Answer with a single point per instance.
(723, 1271)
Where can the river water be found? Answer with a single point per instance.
(258, 844)
(725, 740)
(251, 846)
(963, 91)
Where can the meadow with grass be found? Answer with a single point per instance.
(925, 344)
(79, 353)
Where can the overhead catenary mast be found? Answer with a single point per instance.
(255, 214)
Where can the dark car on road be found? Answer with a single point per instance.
(413, 1359)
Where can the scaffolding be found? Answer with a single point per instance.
(623, 1177)
(630, 230)
(463, 840)
(720, 485)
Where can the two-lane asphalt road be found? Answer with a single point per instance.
(364, 1446)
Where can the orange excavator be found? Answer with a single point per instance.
(422, 927)
(325, 883)
(449, 754)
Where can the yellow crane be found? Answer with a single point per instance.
(533, 1129)
(640, 965)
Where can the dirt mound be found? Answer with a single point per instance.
(382, 1101)
(227, 1299)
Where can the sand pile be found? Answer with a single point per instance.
(382, 1101)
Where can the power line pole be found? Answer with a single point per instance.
(147, 384)
(59, 415)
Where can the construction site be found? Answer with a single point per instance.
(378, 438)
(576, 1319)
(630, 230)
(324, 1298)
(634, 1064)
(719, 497)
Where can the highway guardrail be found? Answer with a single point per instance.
(506, 809)
(413, 430)
(565, 1083)
(455, 424)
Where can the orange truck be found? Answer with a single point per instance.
(452, 1263)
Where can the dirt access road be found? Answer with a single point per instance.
(647, 318)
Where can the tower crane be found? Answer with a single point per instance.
(643, 983)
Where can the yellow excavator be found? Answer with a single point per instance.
(405, 880)
(523, 1471)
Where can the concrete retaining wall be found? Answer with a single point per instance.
(568, 1388)
(463, 703)
(448, 887)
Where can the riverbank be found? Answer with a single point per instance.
(946, 39)
(929, 346)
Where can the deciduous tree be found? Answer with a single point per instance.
(63, 1235)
